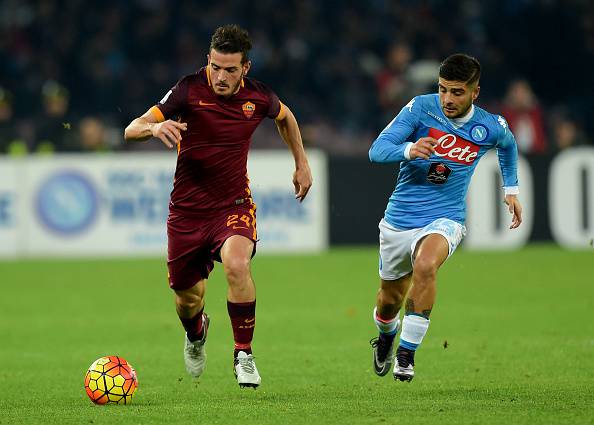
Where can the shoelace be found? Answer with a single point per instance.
(247, 364)
(405, 358)
(382, 348)
(194, 351)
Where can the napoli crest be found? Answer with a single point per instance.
(478, 133)
(248, 109)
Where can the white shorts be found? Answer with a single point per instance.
(397, 246)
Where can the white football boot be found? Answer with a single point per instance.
(404, 365)
(246, 371)
(195, 352)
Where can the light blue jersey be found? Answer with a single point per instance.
(436, 188)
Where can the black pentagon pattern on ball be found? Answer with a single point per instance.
(116, 387)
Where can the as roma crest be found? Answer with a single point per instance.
(248, 109)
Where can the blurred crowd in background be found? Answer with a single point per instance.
(74, 73)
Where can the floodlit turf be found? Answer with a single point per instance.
(519, 328)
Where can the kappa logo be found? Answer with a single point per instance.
(410, 104)
(248, 109)
(454, 148)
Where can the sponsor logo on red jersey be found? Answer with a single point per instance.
(454, 148)
(248, 109)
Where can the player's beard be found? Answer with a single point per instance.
(462, 113)
(235, 88)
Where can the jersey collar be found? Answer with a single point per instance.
(459, 122)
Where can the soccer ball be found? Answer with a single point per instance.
(111, 379)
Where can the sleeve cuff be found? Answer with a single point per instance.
(157, 114)
(282, 112)
(511, 190)
(407, 150)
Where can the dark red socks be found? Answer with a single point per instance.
(243, 321)
(194, 326)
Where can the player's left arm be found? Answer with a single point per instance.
(287, 126)
(507, 152)
(515, 209)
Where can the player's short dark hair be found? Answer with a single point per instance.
(231, 39)
(460, 67)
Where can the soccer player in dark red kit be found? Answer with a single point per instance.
(210, 116)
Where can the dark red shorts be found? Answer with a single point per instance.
(194, 242)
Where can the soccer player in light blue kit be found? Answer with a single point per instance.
(438, 139)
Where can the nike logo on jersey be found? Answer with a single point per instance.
(202, 103)
(454, 148)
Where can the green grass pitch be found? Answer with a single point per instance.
(519, 328)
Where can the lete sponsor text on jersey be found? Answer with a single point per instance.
(454, 148)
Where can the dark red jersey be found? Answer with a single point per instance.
(211, 170)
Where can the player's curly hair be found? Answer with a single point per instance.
(231, 39)
(460, 67)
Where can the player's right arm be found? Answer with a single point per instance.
(393, 144)
(152, 124)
